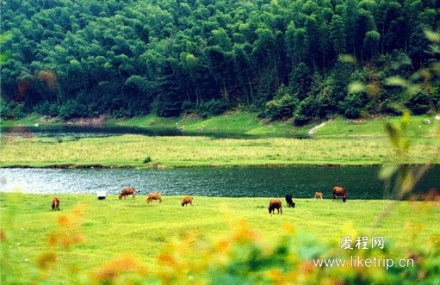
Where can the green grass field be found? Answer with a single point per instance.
(374, 127)
(247, 124)
(228, 124)
(131, 150)
(29, 121)
(115, 227)
(339, 142)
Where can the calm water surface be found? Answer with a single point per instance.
(78, 132)
(303, 182)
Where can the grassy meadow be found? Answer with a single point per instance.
(231, 123)
(374, 127)
(236, 124)
(246, 124)
(28, 121)
(87, 233)
(112, 227)
(338, 142)
(132, 150)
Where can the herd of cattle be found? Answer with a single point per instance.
(274, 204)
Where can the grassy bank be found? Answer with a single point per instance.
(374, 127)
(115, 227)
(132, 150)
(339, 142)
(246, 124)
(228, 124)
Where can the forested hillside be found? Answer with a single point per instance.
(82, 58)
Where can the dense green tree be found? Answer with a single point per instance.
(300, 80)
(371, 43)
(126, 58)
(337, 34)
(169, 100)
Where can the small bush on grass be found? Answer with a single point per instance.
(147, 159)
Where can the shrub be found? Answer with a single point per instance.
(72, 109)
(11, 110)
(18, 111)
(5, 110)
(389, 107)
(211, 108)
(352, 105)
(419, 103)
(47, 109)
(147, 159)
(122, 113)
(327, 104)
(282, 106)
(305, 112)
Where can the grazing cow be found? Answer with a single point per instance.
(126, 192)
(187, 200)
(289, 200)
(318, 195)
(55, 204)
(154, 196)
(275, 204)
(339, 191)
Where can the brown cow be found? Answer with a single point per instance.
(187, 200)
(154, 196)
(318, 195)
(275, 204)
(55, 204)
(339, 191)
(126, 192)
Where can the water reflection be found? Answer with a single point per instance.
(303, 182)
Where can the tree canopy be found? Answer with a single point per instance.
(279, 57)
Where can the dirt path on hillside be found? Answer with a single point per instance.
(312, 131)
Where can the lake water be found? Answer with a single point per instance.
(106, 131)
(303, 182)
(86, 131)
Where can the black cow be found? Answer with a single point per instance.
(289, 201)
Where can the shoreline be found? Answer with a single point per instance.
(142, 196)
(163, 167)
